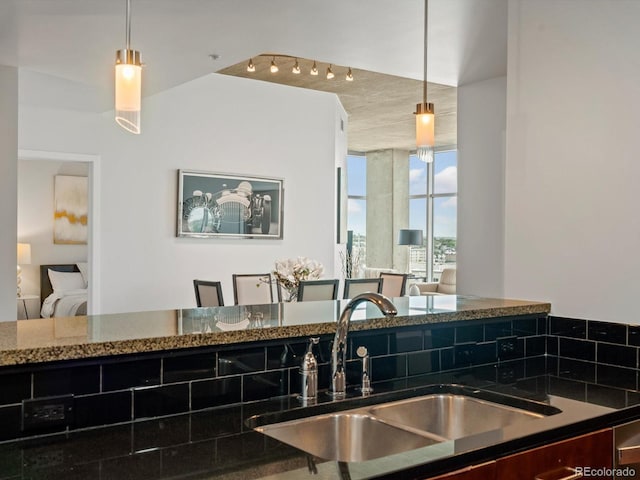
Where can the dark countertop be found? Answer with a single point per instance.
(67, 338)
(218, 443)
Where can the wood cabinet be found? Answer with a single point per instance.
(549, 462)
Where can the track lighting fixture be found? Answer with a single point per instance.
(250, 66)
(349, 77)
(274, 68)
(330, 74)
(296, 68)
(128, 83)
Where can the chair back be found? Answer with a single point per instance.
(355, 286)
(393, 284)
(447, 283)
(208, 294)
(309, 290)
(252, 289)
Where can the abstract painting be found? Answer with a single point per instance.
(70, 210)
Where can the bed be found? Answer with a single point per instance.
(63, 293)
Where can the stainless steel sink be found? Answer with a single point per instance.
(346, 436)
(400, 425)
(452, 416)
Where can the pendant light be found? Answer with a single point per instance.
(128, 83)
(425, 116)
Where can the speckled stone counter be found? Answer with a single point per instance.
(56, 339)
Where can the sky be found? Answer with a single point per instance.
(445, 181)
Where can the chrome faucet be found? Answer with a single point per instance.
(339, 347)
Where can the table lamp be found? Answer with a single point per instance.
(24, 258)
(409, 237)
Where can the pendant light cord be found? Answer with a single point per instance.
(426, 22)
(128, 29)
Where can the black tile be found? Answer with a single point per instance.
(137, 373)
(15, 387)
(607, 332)
(288, 355)
(617, 377)
(265, 385)
(494, 330)
(10, 419)
(447, 358)
(535, 366)
(633, 398)
(606, 396)
(439, 337)
(241, 361)
(618, 355)
(214, 393)
(552, 365)
(62, 381)
(578, 349)
(215, 423)
(568, 388)
(525, 327)
(552, 345)
(376, 344)
(464, 354)
(485, 353)
(577, 370)
(568, 327)
(353, 371)
(423, 362)
(469, 333)
(509, 372)
(543, 325)
(162, 432)
(406, 341)
(633, 335)
(535, 346)
(188, 367)
(158, 401)
(102, 409)
(389, 367)
(509, 348)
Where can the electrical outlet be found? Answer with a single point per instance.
(47, 412)
(465, 354)
(507, 348)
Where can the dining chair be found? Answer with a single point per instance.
(309, 290)
(208, 294)
(355, 286)
(252, 288)
(393, 284)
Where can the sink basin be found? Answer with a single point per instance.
(452, 416)
(346, 436)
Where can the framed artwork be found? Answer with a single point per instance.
(70, 217)
(215, 205)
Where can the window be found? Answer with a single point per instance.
(357, 203)
(433, 194)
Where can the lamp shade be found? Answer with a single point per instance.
(128, 89)
(410, 237)
(24, 253)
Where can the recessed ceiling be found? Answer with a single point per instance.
(380, 106)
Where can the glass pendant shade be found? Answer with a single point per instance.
(128, 89)
(425, 129)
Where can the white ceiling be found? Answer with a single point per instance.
(76, 40)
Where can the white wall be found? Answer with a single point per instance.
(221, 124)
(572, 223)
(481, 152)
(35, 217)
(8, 175)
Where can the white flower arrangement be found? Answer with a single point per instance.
(290, 272)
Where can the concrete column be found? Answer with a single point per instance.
(387, 207)
(8, 190)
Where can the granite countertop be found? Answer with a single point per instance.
(67, 338)
(220, 443)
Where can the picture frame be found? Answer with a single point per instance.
(223, 205)
(71, 210)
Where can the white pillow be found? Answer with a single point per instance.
(62, 281)
(84, 270)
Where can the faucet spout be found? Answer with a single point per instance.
(339, 347)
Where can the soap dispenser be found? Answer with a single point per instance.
(309, 374)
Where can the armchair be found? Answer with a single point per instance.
(446, 285)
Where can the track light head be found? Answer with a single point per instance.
(250, 66)
(274, 68)
(314, 69)
(330, 73)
